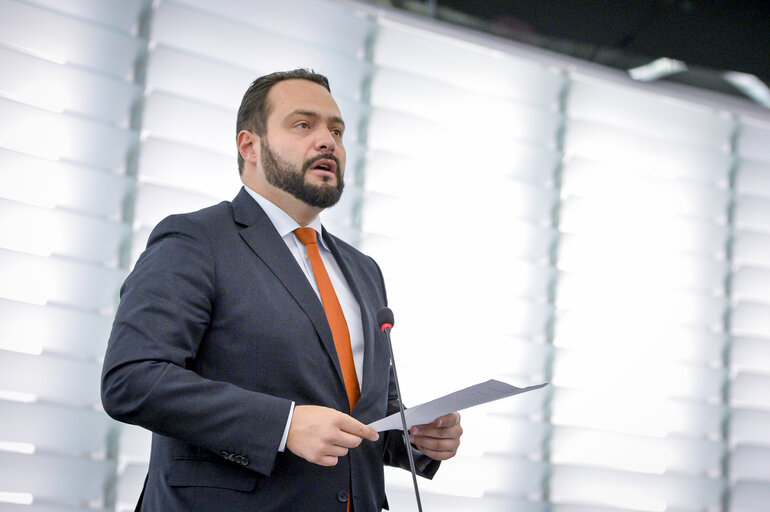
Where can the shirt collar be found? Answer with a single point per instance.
(282, 221)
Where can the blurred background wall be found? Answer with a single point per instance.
(607, 235)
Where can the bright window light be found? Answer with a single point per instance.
(18, 498)
(26, 448)
(657, 69)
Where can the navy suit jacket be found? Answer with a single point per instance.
(217, 332)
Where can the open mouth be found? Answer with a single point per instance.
(325, 166)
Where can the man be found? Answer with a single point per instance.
(256, 384)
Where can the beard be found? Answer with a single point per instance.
(289, 178)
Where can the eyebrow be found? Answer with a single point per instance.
(315, 115)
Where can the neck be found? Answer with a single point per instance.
(298, 210)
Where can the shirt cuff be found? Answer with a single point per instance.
(282, 447)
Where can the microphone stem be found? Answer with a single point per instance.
(403, 422)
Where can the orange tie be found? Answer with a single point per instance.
(334, 314)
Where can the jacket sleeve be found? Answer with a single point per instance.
(149, 376)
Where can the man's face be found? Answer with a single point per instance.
(302, 152)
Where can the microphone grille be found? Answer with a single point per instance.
(384, 316)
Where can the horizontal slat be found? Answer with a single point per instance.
(750, 391)
(658, 269)
(168, 163)
(234, 42)
(629, 296)
(188, 75)
(606, 225)
(645, 376)
(502, 434)
(69, 137)
(41, 280)
(750, 355)
(47, 508)
(474, 476)
(632, 490)
(134, 445)
(751, 213)
(749, 463)
(749, 427)
(422, 98)
(63, 38)
(43, 83)
(573, 446)
(54, 477)
(47, 183)
(386, 172)
(122, 15)
(646, 112)
(754, 140)
(129, 486)
(427, 140)
(401, 498)
(384, 215)
(54, 428)
(54, 329)
(753, 178)
(154, 203)
(655, 156)
(305, 20)
(380, 236)
(750, 497)
(614, 411)
(599, 332)
(603, 183)
(62, 233)
(751, 248)
(67, 381)
(470, 66)
(207, 126)
(751, 319)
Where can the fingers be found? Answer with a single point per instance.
(321, 435)
(358, 429)
(438, 439)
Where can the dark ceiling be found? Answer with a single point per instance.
(710, 36)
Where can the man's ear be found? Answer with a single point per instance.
(248, 146)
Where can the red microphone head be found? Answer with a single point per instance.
(385, 318)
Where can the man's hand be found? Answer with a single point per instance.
(438, 439)
(321, 435)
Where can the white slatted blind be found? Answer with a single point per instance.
(463, 149)
(608, 238)
(749, 357)
(66, 94)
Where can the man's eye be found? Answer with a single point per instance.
(336, 132)
(303, 124)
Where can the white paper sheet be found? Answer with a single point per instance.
(477, 394)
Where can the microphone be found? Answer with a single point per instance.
(385, 321)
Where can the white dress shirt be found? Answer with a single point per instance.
(285, 225)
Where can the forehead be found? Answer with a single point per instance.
(289, 96)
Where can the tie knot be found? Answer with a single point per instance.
(306, 235)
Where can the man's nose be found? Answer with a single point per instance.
(325, 142)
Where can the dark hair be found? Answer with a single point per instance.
(255, 109)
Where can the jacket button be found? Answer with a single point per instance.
(342, 496)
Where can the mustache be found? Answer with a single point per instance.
(310, 163)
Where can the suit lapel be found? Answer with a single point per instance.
(367, 320)
(262, 237)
